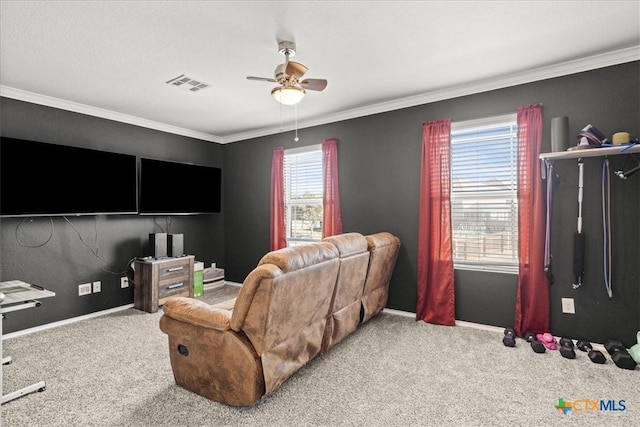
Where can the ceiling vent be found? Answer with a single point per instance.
(188, 83)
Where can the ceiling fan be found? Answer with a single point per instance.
(288, 75)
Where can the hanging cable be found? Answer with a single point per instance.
(281, 128)
(37, 245)
(606, 225)
(94, 251)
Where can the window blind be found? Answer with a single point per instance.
(303, 194)
(484, 204)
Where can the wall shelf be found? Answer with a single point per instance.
(591, 152)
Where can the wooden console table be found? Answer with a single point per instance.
(155, 280)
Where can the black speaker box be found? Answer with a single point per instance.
(560, 134)
(176, 245)
(158, 245)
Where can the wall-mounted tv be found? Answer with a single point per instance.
(173, 188)
(43, 179)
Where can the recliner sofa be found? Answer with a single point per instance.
(297, 302)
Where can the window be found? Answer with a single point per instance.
(303, 191)
(484, 204)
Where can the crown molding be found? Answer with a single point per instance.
(49, 101)
(543, 73)
(557, 70)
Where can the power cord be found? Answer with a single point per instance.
(95, 251)
(39, 245)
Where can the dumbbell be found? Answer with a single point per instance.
(620, 355)
(566, 348)
(509, 339)
(536, 345)
(595, 356)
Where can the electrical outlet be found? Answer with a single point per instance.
(97, 286)
(84, 289)
(124, 282)
(568, 306)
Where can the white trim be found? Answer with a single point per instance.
(399, 312)
(462, 323)
(65, 322)
(23, 95)
(492, 121)
(607, 59)
(566, 68)
(239, 285)
(301, 150)
(480, 326)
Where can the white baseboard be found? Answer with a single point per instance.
(87, 316)
(399, 312)
(65, 322)
(458, 322)
(496, 329)
(226, 282)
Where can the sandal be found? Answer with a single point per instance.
(548, 340)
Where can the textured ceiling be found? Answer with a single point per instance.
(112, 58)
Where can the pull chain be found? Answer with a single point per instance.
(296, 139)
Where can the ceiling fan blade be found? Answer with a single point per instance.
(262, 79)
(295, 69)
(314, 84)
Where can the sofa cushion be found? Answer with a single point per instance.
(297, 257)
(384, 248)
(344, 315)
(197, 313)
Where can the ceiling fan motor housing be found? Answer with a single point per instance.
(286, 48)
(280, 73)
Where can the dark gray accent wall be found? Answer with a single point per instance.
(379, 166)
(66, 261)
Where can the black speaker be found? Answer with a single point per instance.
(176, 245)
(158, 245)
(560, 134)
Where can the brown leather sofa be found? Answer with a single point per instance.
(383, 249)
(297, 302)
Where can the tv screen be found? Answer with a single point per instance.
(172, 188)
(42, 179)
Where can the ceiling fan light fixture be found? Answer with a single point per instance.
(288, 95)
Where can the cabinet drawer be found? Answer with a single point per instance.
(173, 270)
(174, 287)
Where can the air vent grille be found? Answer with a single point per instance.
(188, 83)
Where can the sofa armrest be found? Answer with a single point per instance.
(198, 313)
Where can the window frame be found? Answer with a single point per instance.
(288, 204)
(479, 125)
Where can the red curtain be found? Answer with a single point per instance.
(278, 231)
(436, 297)
(532, 297)
(332, 219)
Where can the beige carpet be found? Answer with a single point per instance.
(114, 370)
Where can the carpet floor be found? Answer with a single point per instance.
(114, 370)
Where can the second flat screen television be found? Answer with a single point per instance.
(173, 188)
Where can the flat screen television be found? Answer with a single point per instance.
(174, 188)
(43, 179)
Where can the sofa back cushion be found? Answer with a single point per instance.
(283, 305)
(383, 249)
(344, 315)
